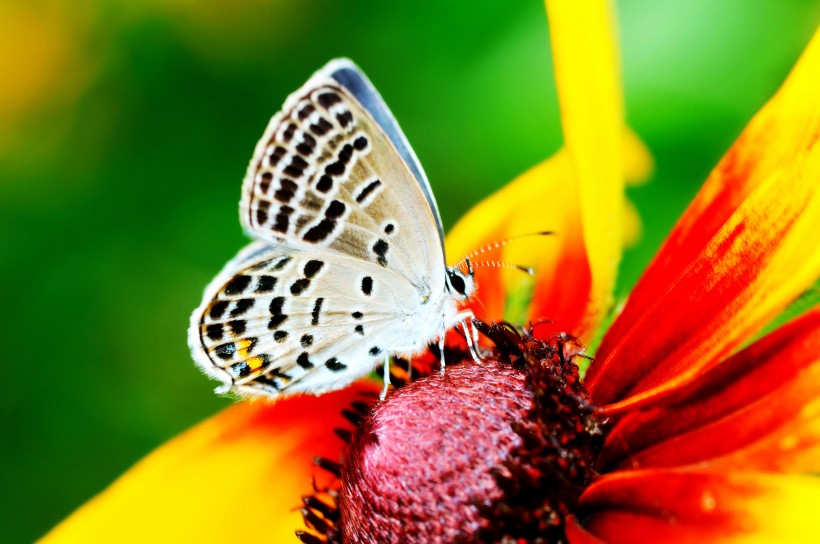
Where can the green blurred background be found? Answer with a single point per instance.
(126, 127)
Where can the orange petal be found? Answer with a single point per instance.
(758, 410)
(737, 257)
(587, 74)
(236, 477)
(701, 506)
(543, 198)
(540, 199)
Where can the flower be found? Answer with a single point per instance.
(679, 431)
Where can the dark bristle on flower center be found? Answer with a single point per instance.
(492, 453)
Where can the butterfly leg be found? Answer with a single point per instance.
(470, 334)
(386, 374)
(441, 350)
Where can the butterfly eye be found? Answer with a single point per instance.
(457, 282)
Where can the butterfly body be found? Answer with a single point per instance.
(348, 263)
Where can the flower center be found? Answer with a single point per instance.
(488, 453)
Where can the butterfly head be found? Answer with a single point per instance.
(461, 283)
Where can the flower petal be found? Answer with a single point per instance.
(701, 506)
(576, 534)
(736, 258)
(543, 198)
(587, 75)
(758, 410)
(235, 477)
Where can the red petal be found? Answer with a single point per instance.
(736, 258)
(576, 534)
(701, 506)
(754, 405)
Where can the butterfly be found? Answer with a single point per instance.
(347, 267)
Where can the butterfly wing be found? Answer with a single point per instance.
(278, 320)
(334, 173)
(347, 74)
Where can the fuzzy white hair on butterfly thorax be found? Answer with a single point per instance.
(347, 267)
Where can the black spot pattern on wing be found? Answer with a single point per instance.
(368, 190)
(326, 226)
(242, 306)
(240, 370)
(325, 183)
(305, 111)
(238, 327)
(317, 308)
(286, 191)
(321, 127)
(225, 351)
(214, 331)
(312, 268)
(360, 143)
(218, 308)
(277, 315)
(380, 249)
(237, 285)
(299, 286)
(304, 361)
(335, 365)
(327, 99)
(282, 222)
(265, 284)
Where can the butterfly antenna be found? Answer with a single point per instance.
(499, 264)
(500, 243)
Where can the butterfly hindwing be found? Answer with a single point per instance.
(278, 320)
(329, 176)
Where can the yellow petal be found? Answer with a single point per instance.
(587, 73)
(638, 161)
(633, 227)
(543, 198)
(236, 477)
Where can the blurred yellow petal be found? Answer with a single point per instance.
(638, 161)
(587, 74)
(236, 477)
(633, 227)
(35, 50)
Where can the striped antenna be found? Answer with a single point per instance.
(498, 244)
(499, 264)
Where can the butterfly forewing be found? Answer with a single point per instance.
(326, 177)
(281, 320)
(357, 84)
